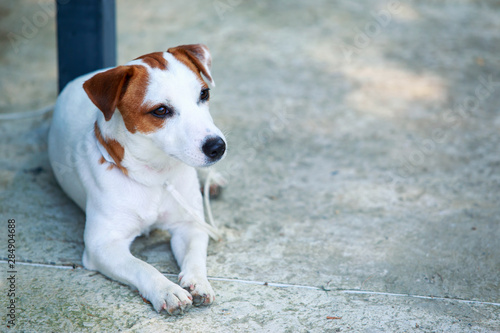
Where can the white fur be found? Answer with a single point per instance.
(119, 207)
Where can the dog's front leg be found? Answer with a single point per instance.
(189, 245)
(107, 252)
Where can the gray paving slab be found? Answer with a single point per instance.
(77, 300)
(364, 157)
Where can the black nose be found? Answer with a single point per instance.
(214, 148)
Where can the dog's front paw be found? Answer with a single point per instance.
(199, 288)
(171, 298)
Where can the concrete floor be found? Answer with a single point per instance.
(364, 169)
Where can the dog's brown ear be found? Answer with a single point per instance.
(105, 89)
(195, 56)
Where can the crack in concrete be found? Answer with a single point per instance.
(286, 285)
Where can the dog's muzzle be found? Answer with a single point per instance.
(214, 148)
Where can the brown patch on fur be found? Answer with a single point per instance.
(134, 112)
(192, 56)
(155, 60)
(106, 88)
(124, 87)
(114, 149)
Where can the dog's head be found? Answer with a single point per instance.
(162, 98)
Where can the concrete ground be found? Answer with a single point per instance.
(364, 169)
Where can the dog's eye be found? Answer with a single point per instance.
(205, 95)
(161, 112)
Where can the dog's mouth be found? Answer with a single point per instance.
(211, 150)
(198, 160)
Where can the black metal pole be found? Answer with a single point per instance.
(86, 37)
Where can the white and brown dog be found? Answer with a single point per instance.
(118, 136)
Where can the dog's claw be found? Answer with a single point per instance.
(171, 298)
(179, 309)
(198, 287)
(199, 299)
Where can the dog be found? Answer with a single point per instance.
(119, 137)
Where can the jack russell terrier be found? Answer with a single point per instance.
(119, 138)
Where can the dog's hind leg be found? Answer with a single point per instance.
(217, 182)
